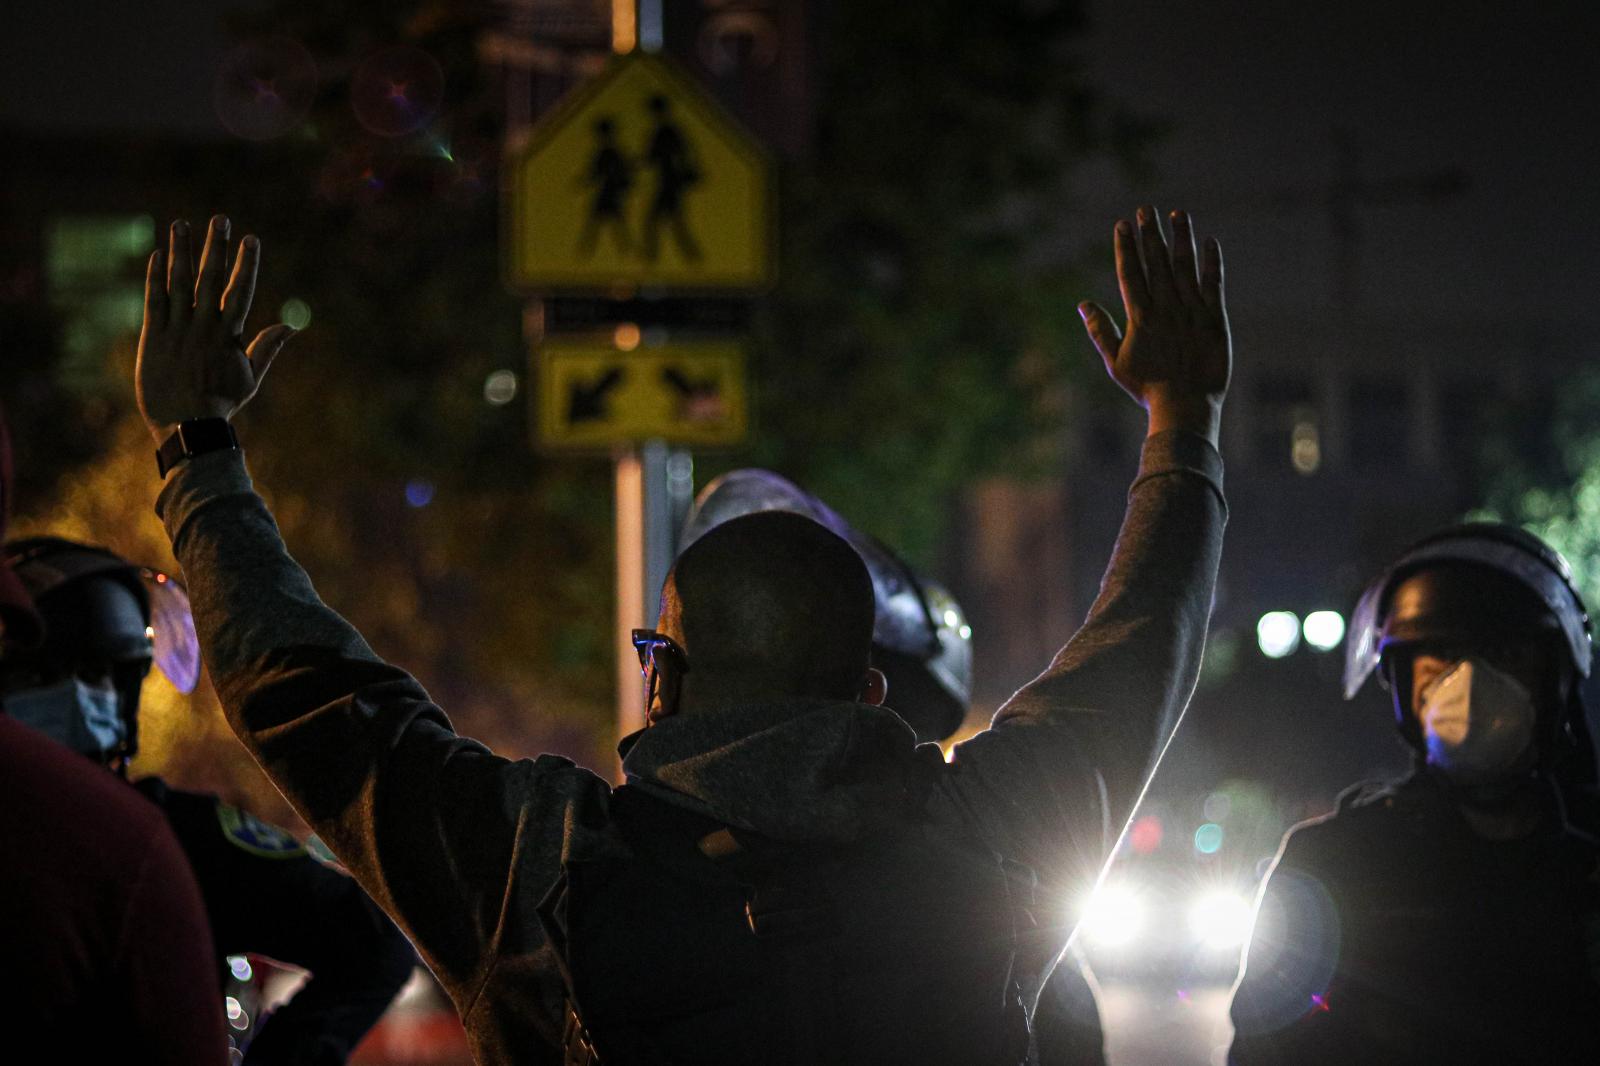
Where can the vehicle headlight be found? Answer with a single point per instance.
(1113, 916)
(1222, 920)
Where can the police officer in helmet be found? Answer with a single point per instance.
(105, 622)
(1453, 916)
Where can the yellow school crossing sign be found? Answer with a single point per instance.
(593, 395)
(638, 178)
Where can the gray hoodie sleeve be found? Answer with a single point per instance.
(450, 839)
(1059, 770)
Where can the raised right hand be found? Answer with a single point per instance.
(1177, 355)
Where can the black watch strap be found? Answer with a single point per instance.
(195, 437)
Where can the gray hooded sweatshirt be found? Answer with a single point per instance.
(460, 845)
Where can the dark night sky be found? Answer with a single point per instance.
(1251, 88)
(1504, 92)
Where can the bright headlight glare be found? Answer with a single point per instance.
(1221, 920)
(1278, 633)
(1323, 630)
(1114, 915)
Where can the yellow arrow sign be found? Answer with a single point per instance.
(592, 395)
(639, 178)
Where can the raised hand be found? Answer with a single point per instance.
(192, 359)
(1176, 357)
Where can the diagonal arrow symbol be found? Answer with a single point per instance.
(699, 399)
(587, 402)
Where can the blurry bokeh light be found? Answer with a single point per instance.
(1145, 836)
(1324, 629)
(500, 387)
(1278, 634)
(419, 492)
(627, 336)
(1114, 915)
(1221, 919)
(295, 312)
(1208, 839)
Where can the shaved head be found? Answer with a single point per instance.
(771, 604)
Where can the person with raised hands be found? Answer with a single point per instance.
(786, 875)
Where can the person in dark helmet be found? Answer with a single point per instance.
(105, 621)
(106, 953)
(757, 890)
(1452, 916)
(920, 638)
(922, 644)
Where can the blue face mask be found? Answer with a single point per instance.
(85, 718)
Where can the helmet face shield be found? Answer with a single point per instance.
(176, 648)
(52, 567)
(1361, 651)
(1512, 554)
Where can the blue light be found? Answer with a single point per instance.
(1208, 838)
(419, 493)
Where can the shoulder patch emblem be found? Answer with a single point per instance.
(245, 831)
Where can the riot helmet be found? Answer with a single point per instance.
(105, 621)
(920, 636)
(19, 622)
(1479, 586)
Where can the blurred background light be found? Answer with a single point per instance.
(1324, 629)
(500, 387)
(1221, 919)
(295, 312)
(1278, 634)
(627, 336)
(1208, 838)
(419, 492)
(1146, 834)
(1306, 447)
(1113, 916)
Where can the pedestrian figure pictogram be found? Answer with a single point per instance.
(638, 178)
(673, 163)
(611, 175)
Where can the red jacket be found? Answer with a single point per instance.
(104, 948)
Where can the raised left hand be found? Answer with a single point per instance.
(193, 362)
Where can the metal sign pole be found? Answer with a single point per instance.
(659, 531)
(630, 588)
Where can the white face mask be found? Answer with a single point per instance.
(1478, 723)
(84, 717)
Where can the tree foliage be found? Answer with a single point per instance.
(1543, 453)
(924, 327)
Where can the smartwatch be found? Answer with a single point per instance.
(195, 437)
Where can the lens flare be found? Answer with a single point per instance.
(264, 89)
(1114, 915)
(396, 90)
(1221, 920)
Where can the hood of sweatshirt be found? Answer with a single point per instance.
(792, 770)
